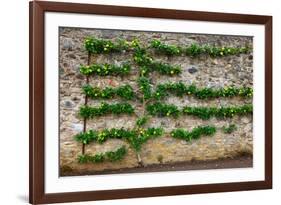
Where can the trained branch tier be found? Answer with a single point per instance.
(126, 92)
(103, 46)
(166, 110)
(138, 136)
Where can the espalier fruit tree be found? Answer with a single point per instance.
(149, 98)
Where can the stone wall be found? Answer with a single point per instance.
(203, 71)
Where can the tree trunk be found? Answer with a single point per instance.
(139, 160)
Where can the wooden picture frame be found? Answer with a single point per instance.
(37, 10)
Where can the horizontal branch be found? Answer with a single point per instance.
(105, 69)
(111, 156)
(219, 112)
(135, 137)
(163, 90)
(161, 110)
(99, 46)
(104, 109)
(195, 133)
(195, 50)
(180, 89)
(102, 46)
(125, 92)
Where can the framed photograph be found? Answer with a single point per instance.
(139, 102)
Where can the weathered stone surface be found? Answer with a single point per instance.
(67, 43)
(192, 69)
(68, 104)
(202, 71)
(77, 127)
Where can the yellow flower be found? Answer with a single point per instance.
(221, 53)
(172, 72)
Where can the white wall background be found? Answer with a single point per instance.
(14, 100)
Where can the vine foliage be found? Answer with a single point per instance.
(111, 156)
(195, 49)
(150, 97)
